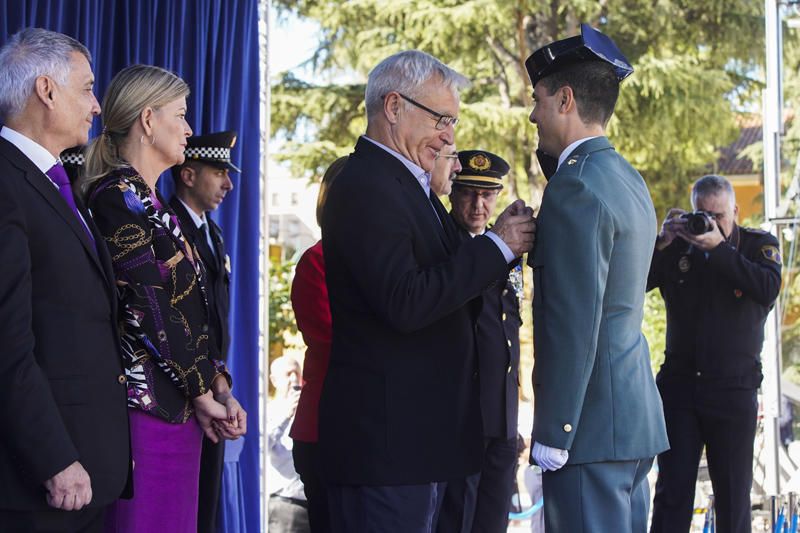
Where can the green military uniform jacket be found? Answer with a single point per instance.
(593, 384)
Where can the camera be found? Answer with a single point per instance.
(698, 222)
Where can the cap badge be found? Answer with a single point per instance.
(480, 162)
(684, 264)
(572, 161)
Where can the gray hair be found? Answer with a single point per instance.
(405, 72)
(712, 185)
(29, 54)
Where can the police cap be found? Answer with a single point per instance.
(590, 45)
(480, 168)
(212, 149)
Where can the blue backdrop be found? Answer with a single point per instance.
(213, 45)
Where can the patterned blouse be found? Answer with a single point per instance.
(164, 331)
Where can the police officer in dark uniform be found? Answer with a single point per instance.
(482, 501)
(201, 184)
(718, 281)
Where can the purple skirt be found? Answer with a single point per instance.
(165, 478)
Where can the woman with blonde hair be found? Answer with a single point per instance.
(177, 386)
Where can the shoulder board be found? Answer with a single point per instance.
(573, 160)
(754, 231)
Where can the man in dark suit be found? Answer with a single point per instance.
(399, 413)
(598, 420)
(64, 448)
(481, 502)
(201, 184)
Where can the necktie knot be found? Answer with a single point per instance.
(58, 175)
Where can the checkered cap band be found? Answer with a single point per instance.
(209, 152)
(74, 158)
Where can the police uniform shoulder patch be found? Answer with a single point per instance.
(771, 253)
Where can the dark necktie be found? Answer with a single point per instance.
(206, 253)
(59, 176)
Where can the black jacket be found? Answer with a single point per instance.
(218, 276)
(62, 387)
(400, 400)
(716, 307)
(497, 338)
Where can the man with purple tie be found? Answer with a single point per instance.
(64, 448)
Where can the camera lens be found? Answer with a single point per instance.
(698, 223)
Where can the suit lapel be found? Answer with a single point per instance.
(419, 203)
(193, 234)
(447, 224)
(49, 192)
(216, 238)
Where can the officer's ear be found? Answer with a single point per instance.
(188, 176)
(566, 99)
(736, 212)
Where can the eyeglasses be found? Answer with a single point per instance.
(442, 121)
(454, 155)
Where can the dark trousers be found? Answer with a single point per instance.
(212, 460)
(87, 520)
(725, 421)
(308, 464)
(385, 509)
(480, 503)
(597, 497)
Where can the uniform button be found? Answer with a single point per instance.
(567, 427)
(205, 328)
(504, 317)
(509, 343)
(122, 379)
(508, 370)
(505, 291)
(475, 375)
(699, 374)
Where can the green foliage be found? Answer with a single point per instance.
(693, 69)
(281, 315)
(696, 66)
(654, 327)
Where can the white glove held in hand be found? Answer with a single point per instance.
(549, 458)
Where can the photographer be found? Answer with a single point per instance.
(718, 281)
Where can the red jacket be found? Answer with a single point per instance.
(313, 314)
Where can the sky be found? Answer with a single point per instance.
(292, 41)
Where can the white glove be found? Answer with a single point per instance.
(549, 458)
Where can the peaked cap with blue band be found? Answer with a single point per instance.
(590, 45)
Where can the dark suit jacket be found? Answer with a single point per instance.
(497, 339)
(61, 399)
(218, 275)
(400, 400)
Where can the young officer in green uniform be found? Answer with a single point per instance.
(598, 420)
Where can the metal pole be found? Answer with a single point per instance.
(263, 366)
(770, 356)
